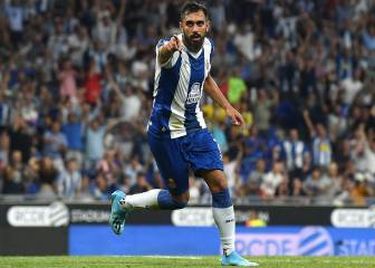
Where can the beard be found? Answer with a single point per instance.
(194, 41)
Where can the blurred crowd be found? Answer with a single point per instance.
(76, 82)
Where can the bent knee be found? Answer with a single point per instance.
(179, 204)
(218, 186)
(181, 201)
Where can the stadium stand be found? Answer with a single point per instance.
(76, 82)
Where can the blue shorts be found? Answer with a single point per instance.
(197, 151)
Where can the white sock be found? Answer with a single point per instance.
(147, 199)
(225, 221)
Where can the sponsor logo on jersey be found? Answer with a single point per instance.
(194, 94)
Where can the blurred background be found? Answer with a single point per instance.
(76, 83)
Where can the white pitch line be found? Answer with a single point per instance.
(280, 259)
(174, 257)
(323, 261)
(156, 256)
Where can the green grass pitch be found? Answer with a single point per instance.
(159, 261)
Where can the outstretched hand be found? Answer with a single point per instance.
(174, 44)
(236, 117)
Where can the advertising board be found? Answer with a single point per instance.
(270, 241)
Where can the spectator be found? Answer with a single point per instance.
(194, 190)
(48, 175)
(141, 184)
(361, 189)
(236, 87)
(73, 131)
(94, 142)
(67, 78)
(78, 43)
(130, 102)
(70, 180)
(132, 168)
(20, 139)
(101, 189)
(297, 188)
(31, 176)
(109, 167)
(218, 132)
(16, 16)
(12, 182)
(335, 179)
(316, 185)
(18, 167)
(256, 178)
(351, 86)
(263, 112)
(92, 84)
(231, 171)
(295, 151)
(4, 149)
(55, 142)
(321, 144)
(272, 180)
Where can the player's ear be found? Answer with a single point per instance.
(208, 26)
(181, 26)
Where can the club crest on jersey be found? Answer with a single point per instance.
(194, 94)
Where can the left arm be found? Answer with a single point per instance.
(212, 89)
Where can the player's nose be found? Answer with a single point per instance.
(195, 28)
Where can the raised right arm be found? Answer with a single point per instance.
(165, 52)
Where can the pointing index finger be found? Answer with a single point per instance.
(178, 41)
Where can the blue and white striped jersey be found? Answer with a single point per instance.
(178, 91)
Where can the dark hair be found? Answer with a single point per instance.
(190, 7)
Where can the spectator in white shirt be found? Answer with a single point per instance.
(272, 180)
(69, 181)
